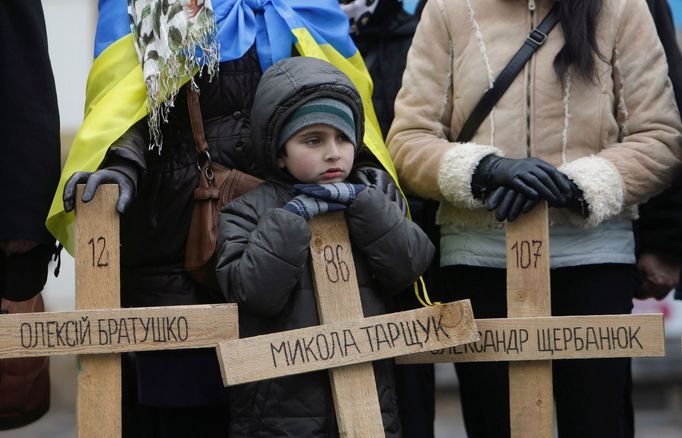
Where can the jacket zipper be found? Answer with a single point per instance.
(531, 8)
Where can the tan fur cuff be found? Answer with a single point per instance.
(602, 187)
(456, 170)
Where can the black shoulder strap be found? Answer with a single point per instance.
(535, 39)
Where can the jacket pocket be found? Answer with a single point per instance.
(609, 127)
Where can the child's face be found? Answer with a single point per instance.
(318, 154)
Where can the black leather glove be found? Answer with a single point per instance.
(575, 201)
(126, 186)
(510, 203)
(380, 180)
(530, 177)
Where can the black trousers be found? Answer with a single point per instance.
(592, 396)
(140, 421)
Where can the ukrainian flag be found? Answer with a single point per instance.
(116, 95)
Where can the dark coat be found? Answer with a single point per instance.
(29, 146)
(29, 172)
(263, 266)
(29, 122)
(154, 229)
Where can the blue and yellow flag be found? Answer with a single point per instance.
(116, 95)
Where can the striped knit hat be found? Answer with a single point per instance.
(325, 111)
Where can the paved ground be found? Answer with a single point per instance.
(658, 408)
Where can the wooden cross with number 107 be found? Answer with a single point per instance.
(531, 338)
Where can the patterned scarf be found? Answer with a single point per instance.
(173, 39)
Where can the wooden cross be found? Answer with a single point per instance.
(530, 338)
(345, 342)
(100, 329)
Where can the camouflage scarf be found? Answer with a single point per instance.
(173, 39)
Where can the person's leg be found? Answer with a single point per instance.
(593, 396)
(192, 407)
(415, 384)
(200, 421)
(484, 393)
(137, 421)
(483, 387)
(415, 388)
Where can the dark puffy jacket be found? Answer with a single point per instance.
(154, 229)
(263, 265)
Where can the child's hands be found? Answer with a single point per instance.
(307, 206)
(342, 193)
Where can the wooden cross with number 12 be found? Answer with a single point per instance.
(99, 329)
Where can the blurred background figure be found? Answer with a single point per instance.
(659, 228)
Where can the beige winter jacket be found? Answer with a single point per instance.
(618, 137)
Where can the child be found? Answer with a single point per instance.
(307, 127)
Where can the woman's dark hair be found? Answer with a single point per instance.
(579, 22)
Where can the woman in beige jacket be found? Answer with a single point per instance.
(590, 124)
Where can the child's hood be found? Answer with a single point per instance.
(283, 88)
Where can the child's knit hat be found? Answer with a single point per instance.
(323, 110)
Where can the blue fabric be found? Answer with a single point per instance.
(240, 23)
(410, 6)
(112, 25)
(270, 22)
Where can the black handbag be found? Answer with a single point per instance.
(423, 211)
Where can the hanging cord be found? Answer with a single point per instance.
(426, 301)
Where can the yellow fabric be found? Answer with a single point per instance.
(115, 100)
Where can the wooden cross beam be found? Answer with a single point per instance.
(100, 329)
(530, 338)
(98, 285)
(346, 342)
